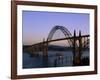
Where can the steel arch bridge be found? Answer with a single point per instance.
(67, 34)
(72, 40)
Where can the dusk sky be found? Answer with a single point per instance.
(37, 25)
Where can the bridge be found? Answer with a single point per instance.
(77, 43)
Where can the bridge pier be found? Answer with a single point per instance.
(45, 48)
(45, 53)
(77, 50)
(80, 47)
(74, 47)
(79, 53)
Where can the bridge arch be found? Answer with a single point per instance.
(64, 30)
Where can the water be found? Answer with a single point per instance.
(55, 59)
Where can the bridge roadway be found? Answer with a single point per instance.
(61, 39)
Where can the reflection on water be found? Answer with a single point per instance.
(54, 59)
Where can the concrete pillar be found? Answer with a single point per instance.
(74, 47)
(80, 48)
(45, 53)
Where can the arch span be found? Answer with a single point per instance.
(64, 30)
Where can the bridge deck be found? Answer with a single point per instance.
(62, 39)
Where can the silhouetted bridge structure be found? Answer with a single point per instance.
(77, 43)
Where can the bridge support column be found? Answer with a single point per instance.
(45, 48)
(45, 53)
(74, 47)
(78, 58)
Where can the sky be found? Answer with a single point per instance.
(36, 25)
